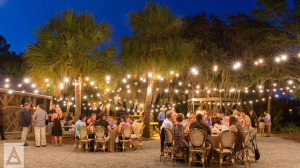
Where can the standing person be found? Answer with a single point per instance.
(268, 123)
(25, 122)
(2, 122)
(161, 117)
(50, 123)
(56, 129)
(201, 111)
(220, 114)
(261, 120)
(252, 119)
(38, 121)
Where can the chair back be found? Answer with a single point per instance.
(197, 138)
(100, 132)
(169, 136)
(227, 139)
(246, 139)
(62, 126)
(127, 131)
(83, 131)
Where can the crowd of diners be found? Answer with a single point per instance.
(211, 123)
(91, 122)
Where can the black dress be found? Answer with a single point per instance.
(56, 129)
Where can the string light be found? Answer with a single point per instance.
(215, 68)
(26, 80)
(124, 80)
(66, 80)
(6, 80)
(46, 80)
(237, 65)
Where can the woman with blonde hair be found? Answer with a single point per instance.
(56, 129)
(247, 127)
(191, 119)
(261, 121)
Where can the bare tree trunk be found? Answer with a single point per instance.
(148, 107)
(77, 97)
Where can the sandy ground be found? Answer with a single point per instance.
(275, 153)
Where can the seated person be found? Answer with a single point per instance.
(185, 120)
(137, 130)
(179, 134)
(218, 124)
(247, 127)
(238, 129)
(80, 122)
(111, 122)
(67, 124)
(124, 123)
(168, 121)
(200, 124)
(102, 122)
(225, 123)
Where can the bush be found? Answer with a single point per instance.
(293, 128)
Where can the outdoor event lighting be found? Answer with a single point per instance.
(186, 91)
(277, 59)
(6, 85)
(61, 86)
(180, 83)
(290, 82)
(158, 77)
(166, 90)
(19, 85)
(256, 63)
(260, 61)
(26, 80)
(124, 80)
(194, 71)
(87, 78)
(47, 85)
(149, 89)
(237, 65)
(176, 91)
(46, 80)
(177, 74)
(283, 57)
(128, 76)
(66, 80)
(215, 68)
(107, 78)
(172, 72)
(6, 80)
(36, 91)
(10, 91)
(98, 94)
(259, 86)
(150, 75)
(33, 85)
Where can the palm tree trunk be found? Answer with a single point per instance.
(68, 104)
(270, 101)
(148, 107)
(77, 97)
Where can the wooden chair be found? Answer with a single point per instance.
(83, 138)
(170, 148)
(197, 138)
(126, 132)
(245, 151)
(100, 138)
(140, 140)
(253, 145)
(226, 143)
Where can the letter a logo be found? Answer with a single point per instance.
(14, 155)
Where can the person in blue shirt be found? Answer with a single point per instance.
(268, 123)
(80, 122)
(161, 117)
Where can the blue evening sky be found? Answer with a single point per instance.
(19, 18)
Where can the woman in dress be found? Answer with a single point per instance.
(261, 121)
(238, 129)
(179, 134)
(56, 129)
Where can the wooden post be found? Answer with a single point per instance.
(193, 108)
(51, 102)
(45, 104)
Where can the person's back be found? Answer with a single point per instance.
(200, 125)
(102, 123)
(40, 118)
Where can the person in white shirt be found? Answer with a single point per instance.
(168, 121)
(201, 111)
(189, 113)
(225, 123)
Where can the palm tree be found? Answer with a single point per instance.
(71, 45)
(155, 47)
